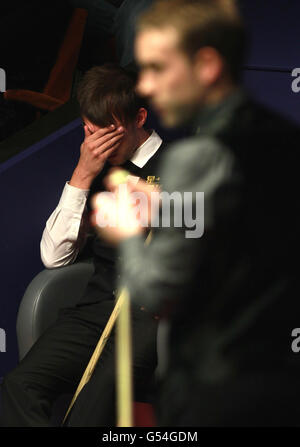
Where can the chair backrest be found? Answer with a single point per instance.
(48, 292)
(61, 77)
(57, 90)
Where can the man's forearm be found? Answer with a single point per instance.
(64, 235)
(81, 179)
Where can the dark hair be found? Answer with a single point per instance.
(199, 23)
(106, 93)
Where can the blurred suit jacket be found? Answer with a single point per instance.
(232, 295)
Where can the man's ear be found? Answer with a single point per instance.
(141, 117)
(209, 66)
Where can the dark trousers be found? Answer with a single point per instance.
(56, 362)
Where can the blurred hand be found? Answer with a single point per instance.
(113, 216)
(94, 151)
(123, 212)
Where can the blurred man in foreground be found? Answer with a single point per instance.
(232, 295)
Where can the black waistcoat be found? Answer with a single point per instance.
(103, 282)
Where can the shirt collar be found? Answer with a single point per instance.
(146, 150)
(211, 119)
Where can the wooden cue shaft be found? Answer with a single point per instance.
(121, 408)
(124, 362)
(124, 366)
(98, 350)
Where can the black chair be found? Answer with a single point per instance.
(50, 291)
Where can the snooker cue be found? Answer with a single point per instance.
(123, 367)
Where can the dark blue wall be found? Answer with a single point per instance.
(31, 183)
(273, 89)
(274, 34)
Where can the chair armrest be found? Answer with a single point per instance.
(38, 100)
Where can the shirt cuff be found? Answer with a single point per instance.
(73, 198)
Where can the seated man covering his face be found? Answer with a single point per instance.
(114, 135)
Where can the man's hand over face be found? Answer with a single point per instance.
(95, 149)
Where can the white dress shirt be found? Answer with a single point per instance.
(65, 231)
